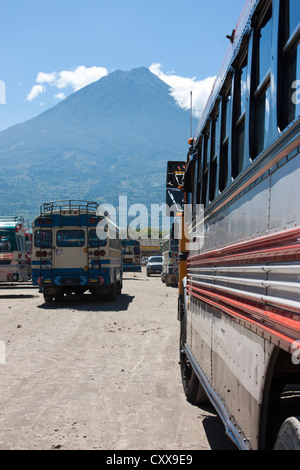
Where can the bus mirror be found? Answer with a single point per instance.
(175, 174)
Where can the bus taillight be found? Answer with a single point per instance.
(39, 254)
(99, 253)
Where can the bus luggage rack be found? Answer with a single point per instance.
(7, 219)
(68, 205)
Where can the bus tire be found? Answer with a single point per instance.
(119, 287)
(194, 392)
(112, 296)
(59, 297)
(288, 437)
(48, 298)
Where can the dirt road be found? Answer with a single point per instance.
(84, 374)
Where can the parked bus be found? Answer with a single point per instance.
(131, 251)
(170, 270)
(239, 285)
(68, 254)
(13, 254)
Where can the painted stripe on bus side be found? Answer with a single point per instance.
(282, 329)
(276, 245)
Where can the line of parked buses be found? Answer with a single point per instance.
(63, 253)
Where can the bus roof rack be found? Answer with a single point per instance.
(12, 220)
(68, 204)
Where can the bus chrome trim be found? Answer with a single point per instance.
(281, 327)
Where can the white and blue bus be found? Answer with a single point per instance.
(131, 251)
(239, 284)
(68, 254)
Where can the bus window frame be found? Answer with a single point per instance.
(37, 235)
(261, 87)
(70, 245)
(20, 240)
(288, 50)
(226, 106)
(10, 242)
(199, 170)
(101, 242)
(214, 162)
(239, 115)
(205, 163)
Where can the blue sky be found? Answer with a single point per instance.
(51, 48)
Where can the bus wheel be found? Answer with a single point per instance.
(59, 297)
(112, 296)
(119, 287)
(193, 389)
(48, 298)
(289, 435)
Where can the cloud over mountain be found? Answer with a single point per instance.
(76, 79)
(82, 76)
(111, 138)
(182, 86)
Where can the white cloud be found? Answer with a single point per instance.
(76, 79)
(182, 86)
(35, 91)
(46, 77)
(60, 96)
(80, 77)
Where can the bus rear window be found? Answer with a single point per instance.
(70, 238)
(5, 243)
(94, 240)
(43, 238)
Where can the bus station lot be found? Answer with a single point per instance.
(90, 374)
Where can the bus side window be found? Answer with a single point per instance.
(239, 112)
(22, 243)
(288, 62)
(205, 167)
(19, 243)
(225, 137)
(261, 75)
(199, 171)
(214, 152)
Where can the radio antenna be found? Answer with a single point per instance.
(191, 119)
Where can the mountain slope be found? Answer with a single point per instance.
(110, 138)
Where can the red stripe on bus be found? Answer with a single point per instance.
(282, 245)
(280, 326)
